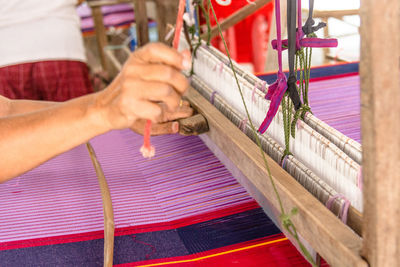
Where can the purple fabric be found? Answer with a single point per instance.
(62, 196)
(84, 10)
(87, 24)
(114, 15)
(336, 101)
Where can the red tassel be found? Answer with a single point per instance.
(147, 149)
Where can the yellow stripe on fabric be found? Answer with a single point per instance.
(217, 254)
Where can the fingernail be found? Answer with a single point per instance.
(186, 63)
(175, 127)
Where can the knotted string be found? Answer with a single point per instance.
(242, 124)
(283, 161)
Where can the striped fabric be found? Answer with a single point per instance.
(336, 101)
(334, 96)
(62, 196)
(182, 203)
(113, 16)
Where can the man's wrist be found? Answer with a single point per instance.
(96, 114)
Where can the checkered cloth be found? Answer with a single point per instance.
(57, 80)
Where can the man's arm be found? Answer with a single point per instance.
(151, 76)
(27, 140)
(10, 107)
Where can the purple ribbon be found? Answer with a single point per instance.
(309, 42)
(275, 93)
(278, 88)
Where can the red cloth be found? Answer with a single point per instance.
(57, 80)
(247, 40)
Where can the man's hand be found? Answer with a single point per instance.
(167, 124)
(150, 86)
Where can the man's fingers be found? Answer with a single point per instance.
(171, 127)
(161, 73)
(148, 110)
(154, 92)
(180, 113)
(160, 53)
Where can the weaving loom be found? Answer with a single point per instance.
(184, 186)
(184, 206)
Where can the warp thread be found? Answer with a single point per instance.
(360, 179)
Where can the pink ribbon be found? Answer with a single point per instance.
(308, 42)
(275, 93)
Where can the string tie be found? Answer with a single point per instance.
(283, 161)
(253, 92)
(343, 209)
(243, 123)
(221, 67)
(263, 87)
(212, 97)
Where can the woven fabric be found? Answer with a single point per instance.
(334, 96)
(182, 203)
(57, 80)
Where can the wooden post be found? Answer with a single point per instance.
(142, 26)
(108, 212)
(166, 14)
(271, 63)
(380, 117)
(101, 35)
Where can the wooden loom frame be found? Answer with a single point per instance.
(162, 18)
(380, 112)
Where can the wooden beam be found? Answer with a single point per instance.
(325, 233)
(237, 16)
(108, 211)
(166, 14)
(333, 13)
(142, 23)
(98, 3)
(380, 121)
(101, 35)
